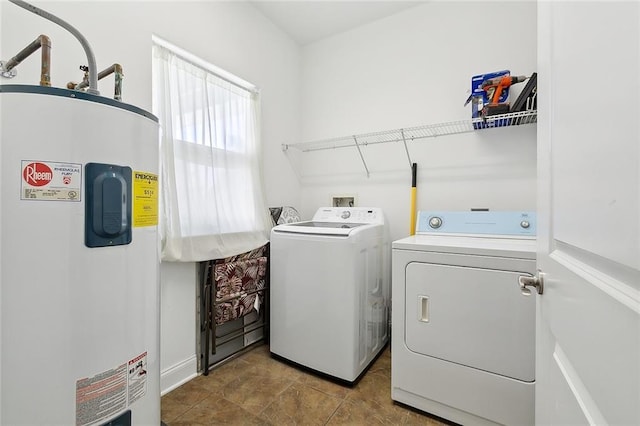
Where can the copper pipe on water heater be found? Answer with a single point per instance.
(115, 69)
(43, 42)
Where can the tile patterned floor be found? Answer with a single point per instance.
(255, 389)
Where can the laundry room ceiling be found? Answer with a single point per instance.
(306, 21)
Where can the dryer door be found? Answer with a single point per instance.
(471, 316)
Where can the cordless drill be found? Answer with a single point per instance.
(494, 87)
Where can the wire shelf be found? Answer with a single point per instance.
(419, 132)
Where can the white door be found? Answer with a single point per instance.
(588, 340)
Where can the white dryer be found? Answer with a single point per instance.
(330, 291)
(463, 329)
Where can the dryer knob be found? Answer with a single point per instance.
(525, 224)
(435, 222)
(346, 214)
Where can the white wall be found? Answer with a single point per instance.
(411, 69)
(231, 35)
(178, 353)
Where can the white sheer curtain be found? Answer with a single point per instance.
(212, 202)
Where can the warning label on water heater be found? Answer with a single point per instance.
(101, 396)
(145, 199)
(112, 391)
(137, 383)
(50, 181)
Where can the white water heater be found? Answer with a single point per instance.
(79, 277)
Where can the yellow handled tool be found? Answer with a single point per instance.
(414, 169)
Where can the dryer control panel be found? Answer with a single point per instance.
(349, 215)
(504, 223)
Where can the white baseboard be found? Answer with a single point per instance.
(178, 374)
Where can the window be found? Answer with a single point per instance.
(212, 200)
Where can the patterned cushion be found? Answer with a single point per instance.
(236, 280)
(237, 308)
(285, 214)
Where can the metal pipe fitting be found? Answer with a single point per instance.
(42, 42)
(85, 80)
(116, 70)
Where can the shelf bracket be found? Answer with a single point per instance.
(404, 141)
(364, 163)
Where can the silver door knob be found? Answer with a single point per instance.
(537, 282)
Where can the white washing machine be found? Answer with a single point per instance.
(330, 291)
(463, 329)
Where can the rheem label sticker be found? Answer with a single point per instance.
(50, 181)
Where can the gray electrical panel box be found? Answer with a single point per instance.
(107, 205)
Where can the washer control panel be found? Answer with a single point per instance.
(349, 215)
(477, 223)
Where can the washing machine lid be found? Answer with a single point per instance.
(319, 228)
(336, 221)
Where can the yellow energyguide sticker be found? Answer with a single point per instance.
(145, 199)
